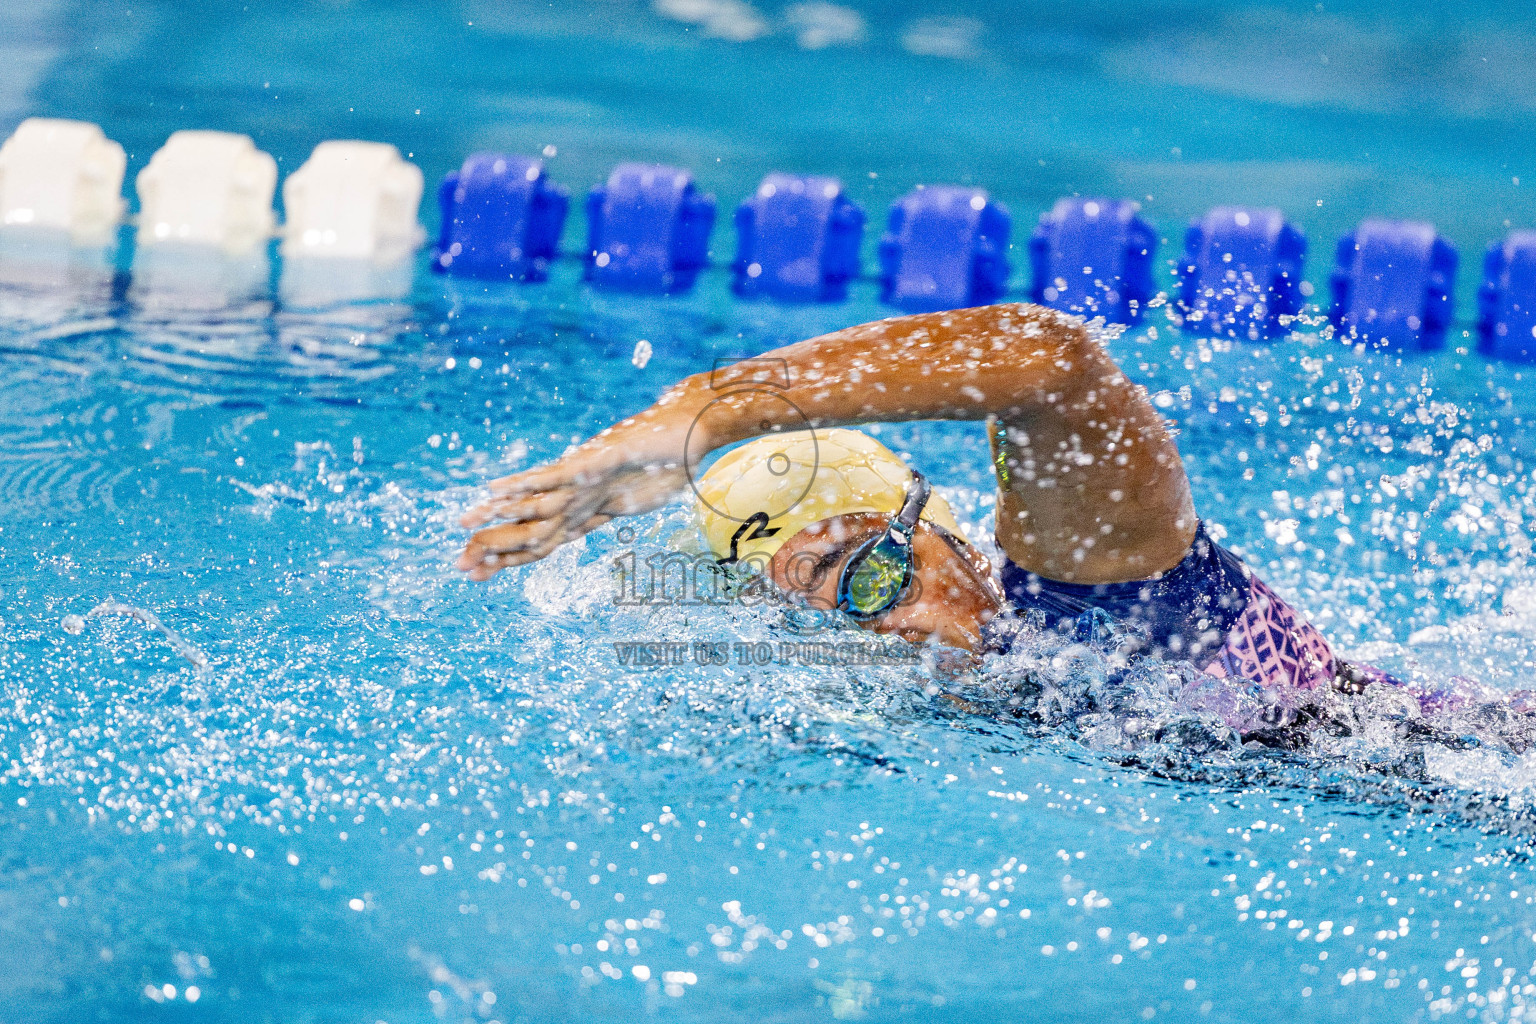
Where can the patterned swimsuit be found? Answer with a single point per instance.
(1208, 610)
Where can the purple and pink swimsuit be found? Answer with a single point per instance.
(1208, 610)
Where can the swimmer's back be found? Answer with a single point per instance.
(1209, 610)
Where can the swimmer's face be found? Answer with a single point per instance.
(950, 598)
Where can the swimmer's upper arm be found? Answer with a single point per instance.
(1091, 488)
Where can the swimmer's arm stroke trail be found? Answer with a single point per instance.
(1091, 488)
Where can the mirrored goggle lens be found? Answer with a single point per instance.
(876, 582)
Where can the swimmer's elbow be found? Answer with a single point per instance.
(1076, 354)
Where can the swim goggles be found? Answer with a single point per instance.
(877, 574)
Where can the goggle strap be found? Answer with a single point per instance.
(912, 507)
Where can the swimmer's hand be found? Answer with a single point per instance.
(625, 470)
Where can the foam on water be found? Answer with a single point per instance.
(75, 625)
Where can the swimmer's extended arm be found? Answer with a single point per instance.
(1091, 488)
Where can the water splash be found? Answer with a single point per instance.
(75, 625)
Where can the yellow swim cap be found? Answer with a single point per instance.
(771, 488)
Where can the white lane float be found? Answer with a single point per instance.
(207, 189)
(355, 201)
(62, 176)
(351, 225)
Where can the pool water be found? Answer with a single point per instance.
(264, 756)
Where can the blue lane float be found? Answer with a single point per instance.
(1506, 323)
(798, 237)
(1241, 273)
(797, 240)
(648, 229)
(502, 218)
(1394, 285)
(1093, 257)
(944, 247)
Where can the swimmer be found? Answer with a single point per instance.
(1094, 512)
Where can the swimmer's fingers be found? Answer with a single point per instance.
(580, 468)
(542, 524)
(513, 544)
(543, 478)
(562, 518)
(519, 508)
(498, 547)
(543, 486)
(623, 490)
